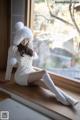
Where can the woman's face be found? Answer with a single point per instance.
(25, 41)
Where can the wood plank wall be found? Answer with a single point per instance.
(4, 31)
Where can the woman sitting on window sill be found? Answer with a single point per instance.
(21, 52)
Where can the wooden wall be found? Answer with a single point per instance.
(4, 31)
(17, 14)
(9, 15)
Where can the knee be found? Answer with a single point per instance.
(45, 72)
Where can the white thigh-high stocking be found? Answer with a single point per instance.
(60, 95)
(70, 99)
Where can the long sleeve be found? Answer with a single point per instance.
(11, 61)
(8, 72)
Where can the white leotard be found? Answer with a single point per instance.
(24, 68)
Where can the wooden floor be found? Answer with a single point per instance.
(3, 96)
(43, 99)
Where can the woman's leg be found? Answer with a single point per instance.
(60, 95)
(35, 76)
(47, 81)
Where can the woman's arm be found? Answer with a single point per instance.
(10, 62)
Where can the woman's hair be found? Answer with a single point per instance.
(25, 50)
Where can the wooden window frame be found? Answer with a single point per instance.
(29, 13)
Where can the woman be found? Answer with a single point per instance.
(22, 53)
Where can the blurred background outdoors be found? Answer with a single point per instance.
(56, 36)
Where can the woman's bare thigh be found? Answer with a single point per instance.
(35, 76)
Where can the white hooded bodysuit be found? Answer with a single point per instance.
(14, 57)
(24, 68)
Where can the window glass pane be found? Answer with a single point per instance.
(56, 39)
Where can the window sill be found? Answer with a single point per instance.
(64, 82)
(43, 101)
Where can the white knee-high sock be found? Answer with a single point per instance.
(60, 95)
(70, 99)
